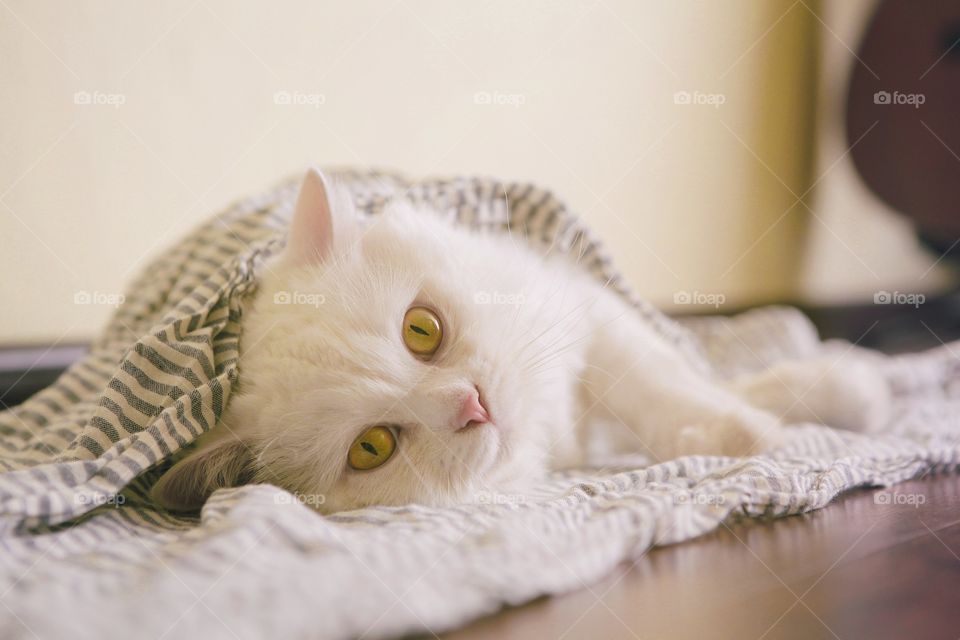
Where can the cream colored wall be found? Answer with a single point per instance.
(689, 196)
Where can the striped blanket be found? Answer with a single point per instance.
(87, 554)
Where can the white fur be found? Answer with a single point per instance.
(553, 353)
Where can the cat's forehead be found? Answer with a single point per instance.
(410, 237)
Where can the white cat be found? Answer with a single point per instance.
(403, 359)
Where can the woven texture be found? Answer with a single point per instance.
(87, 553)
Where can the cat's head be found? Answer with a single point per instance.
(387, 361)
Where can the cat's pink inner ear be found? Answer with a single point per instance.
(311, 229)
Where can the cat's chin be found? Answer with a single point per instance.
(484, 448)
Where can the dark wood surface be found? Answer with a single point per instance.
(863, 567)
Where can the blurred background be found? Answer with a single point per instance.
(707, 142)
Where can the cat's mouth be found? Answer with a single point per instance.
(485, 435)
(485, 441)
(474, 424)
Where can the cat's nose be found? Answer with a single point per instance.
(472, 412)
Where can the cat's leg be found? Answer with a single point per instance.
(665, 406)
(838, 390)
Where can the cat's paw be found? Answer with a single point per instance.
(743, 432)
(849, 393)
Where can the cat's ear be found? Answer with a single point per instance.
(219, 461)
(317, 219)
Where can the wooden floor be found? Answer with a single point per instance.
(864, 567)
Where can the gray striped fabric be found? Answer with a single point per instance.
(86, 553)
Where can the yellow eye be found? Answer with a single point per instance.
(422, 332)
(372, 448)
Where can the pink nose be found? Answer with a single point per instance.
(472, 411)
